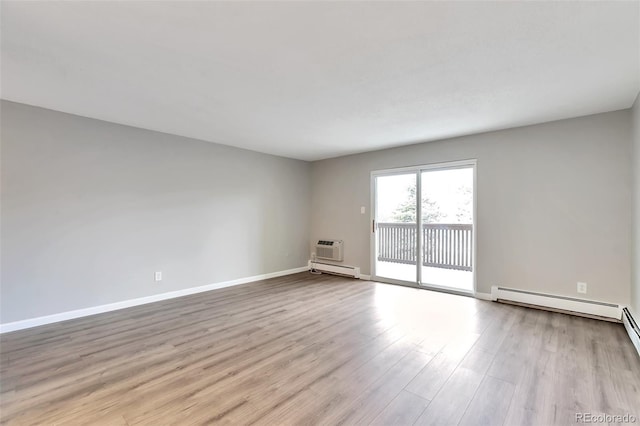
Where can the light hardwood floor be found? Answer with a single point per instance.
(308, 349)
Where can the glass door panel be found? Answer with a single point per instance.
(447, 228)
(395, 227)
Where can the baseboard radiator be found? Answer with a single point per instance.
(632, 328)
(343, 270)
(567, 304)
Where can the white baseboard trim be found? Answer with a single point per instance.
(63, 316)
(365, 277)
(564, 303)
(483, 296)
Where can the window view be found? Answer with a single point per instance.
(396, 227)
(447, 228)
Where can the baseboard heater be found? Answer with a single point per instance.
(632, 328)
(583, 307)
(347, 271)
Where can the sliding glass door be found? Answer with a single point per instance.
(422, 226)
(396, 227)
(447, 222)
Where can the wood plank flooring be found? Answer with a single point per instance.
(306, 349)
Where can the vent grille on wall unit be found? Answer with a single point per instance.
(329, 249)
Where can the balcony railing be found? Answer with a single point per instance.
(448, 246)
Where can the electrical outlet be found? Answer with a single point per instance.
(582, 287)
(363, 210)
(158, 276)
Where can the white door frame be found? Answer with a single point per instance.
(418, 170)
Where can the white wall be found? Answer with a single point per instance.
(91, 209)
(553, 203)
(635, 261)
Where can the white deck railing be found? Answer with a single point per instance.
(448, 246)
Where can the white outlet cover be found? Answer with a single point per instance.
(158, 276)
(582, 287)
(362, 210)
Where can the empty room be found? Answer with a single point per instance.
(319, 212)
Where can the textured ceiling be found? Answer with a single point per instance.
(316, 80)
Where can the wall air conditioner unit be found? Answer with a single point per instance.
(329, 249)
